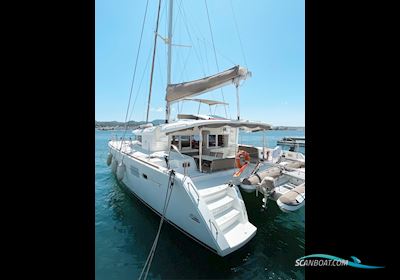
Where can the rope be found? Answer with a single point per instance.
(134, 71)
(215, 53)
(149, 259)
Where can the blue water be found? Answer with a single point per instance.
(125, 230)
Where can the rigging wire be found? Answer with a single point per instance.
(152, 64)
(134, 72)
(185, 21)
(176, 18)
(184, 64)
(159, 69)
(230, 60)
(140, 84)
(215, 53)
(198, 53)
(238, 34)
(206, 55)
(166, 30)
(201, 58)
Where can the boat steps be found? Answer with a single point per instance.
(213, 193)
(237, 232)
(220, 205)
(227, 218)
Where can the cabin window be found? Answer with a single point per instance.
(211, 140)
(195, 141)
(217, 140)
(185, 142)
(220, 142)
(175, 141)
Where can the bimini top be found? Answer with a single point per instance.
(191, 125)
(199, 117)
(176, 92)
(205, 101)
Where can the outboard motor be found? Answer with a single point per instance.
(266, 187)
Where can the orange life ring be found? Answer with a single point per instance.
(242, 154)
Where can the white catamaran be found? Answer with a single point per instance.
(188, 171)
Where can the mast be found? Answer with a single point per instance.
(169, 42)
(152, 64)
(237, 100)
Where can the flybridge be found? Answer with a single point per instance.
(199, 117)
(191, 125)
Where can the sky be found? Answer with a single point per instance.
(272, 36)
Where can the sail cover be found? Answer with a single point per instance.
(180, 91)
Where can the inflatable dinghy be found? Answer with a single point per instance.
(293, 199)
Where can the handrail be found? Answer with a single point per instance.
(216, 230)
(241, 203)
(244, 212)
(193, 187)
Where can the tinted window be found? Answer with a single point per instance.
(195, 141)
(211, 140)
(185, 142)
(175, 141)
(220, 140)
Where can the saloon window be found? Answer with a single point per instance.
(217, 140)
(195, 141)
(211, 140)
(175, 141)
(185, 142)
(220, 142)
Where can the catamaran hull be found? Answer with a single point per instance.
(149, 184)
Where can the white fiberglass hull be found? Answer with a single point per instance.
(186, 211)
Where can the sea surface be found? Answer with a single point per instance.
(125, 230)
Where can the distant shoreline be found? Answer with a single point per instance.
(113, 125)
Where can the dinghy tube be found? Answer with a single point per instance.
(293, 199)
(258, 177)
